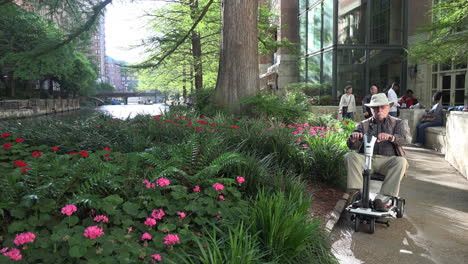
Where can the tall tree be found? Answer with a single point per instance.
(447, 34)
(238, 65)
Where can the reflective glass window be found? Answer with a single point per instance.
(313, 69)
(351, 21)
(351, 70)
(302, 70)
(327, 23)
(385, 67)
(386, 22)
(314, 29)
(303, 34)
(327, 72)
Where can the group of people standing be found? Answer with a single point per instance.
(433, 117)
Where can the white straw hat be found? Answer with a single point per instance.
(379, 99)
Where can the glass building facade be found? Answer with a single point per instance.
(352, 42)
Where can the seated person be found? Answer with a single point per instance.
(431, 119)
(388, 157)
(407, 100)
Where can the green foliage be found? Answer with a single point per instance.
(446, 35)
(283, 227)
(272, 106)
(23, 34)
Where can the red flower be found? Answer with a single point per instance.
(202, 116)
(54, 148)
(20, 163)
(4, 135)
(234, 127)
(72, 153)
(18, 140)
(213, 124)
(24, 170)
(203, 122)
(198, 128)
(83, 153)
(106, 149)
(36, 154)
(188, 125)
(7, 145)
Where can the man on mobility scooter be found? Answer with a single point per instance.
(387, 158)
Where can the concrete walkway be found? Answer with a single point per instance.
(434, 228)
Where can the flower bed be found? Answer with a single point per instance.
(186, 180)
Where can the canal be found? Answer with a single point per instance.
(116, 111)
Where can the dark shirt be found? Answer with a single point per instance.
(385, 148)
(366, 100)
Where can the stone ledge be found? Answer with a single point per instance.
(436, 138)
(335, 215)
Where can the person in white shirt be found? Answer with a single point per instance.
(347, 105)
(392, 97)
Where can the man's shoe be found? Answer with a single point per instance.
(380, 206)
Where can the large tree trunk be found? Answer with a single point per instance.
(238, 64)
(196, 48)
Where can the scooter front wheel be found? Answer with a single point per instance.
(357, 222)
(372, 225)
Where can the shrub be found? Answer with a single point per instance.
(283, 227)
(275, 107)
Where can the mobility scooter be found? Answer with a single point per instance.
(362, 208)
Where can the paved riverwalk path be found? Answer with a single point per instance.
(434, 228)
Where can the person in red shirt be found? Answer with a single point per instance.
(407, 100)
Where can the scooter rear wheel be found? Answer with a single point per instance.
(400, 208)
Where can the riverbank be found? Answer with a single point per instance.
(35, 107)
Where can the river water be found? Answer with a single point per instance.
(116, 111)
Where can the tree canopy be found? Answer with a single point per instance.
(447, 34)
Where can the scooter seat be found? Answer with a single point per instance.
(377, 177)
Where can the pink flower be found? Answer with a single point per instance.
(181, 214)
(298, 140)
(158, 214)
(146, 236)
(69, 209)
(24, 238)
(171, 239)
(221, 197)
(18, 140)
(101, 218)
(149, 184)
(150, 221)
(84, 153)
(36, 154)
(218, 216)
(13, 254)
(305, 146)
(55, 149)
(218, 186)
(157, 257)
(93, 231)
(197, 189)
(240, 179)
(163, 182)
(4, 135)
(129, 230)
(106, 149)
(7, 145)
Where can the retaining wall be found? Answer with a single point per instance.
(34, 107)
